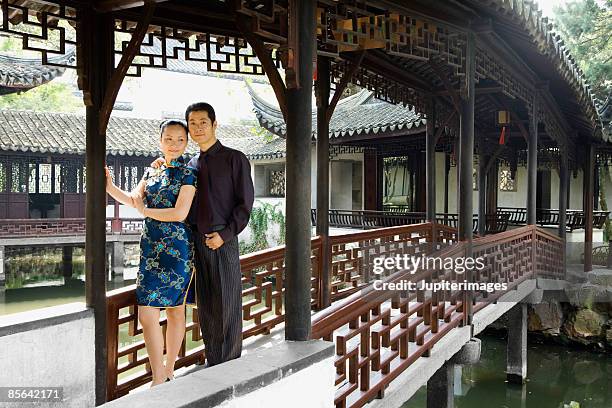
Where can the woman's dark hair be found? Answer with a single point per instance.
(172, 122)
(201, 107)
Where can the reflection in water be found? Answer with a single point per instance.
(555, 375)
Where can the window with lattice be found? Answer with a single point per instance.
(506, 182)
(276, 183)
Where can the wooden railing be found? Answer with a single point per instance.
(380, 333)
(45, 227)
(367, 219)
(262, 278)
(353, 254)
(575, 219)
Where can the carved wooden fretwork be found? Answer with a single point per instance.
(48, 30)
(218, 53)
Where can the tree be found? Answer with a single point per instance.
(51, 97)
(586, 28)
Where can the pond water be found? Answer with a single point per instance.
(556, 375)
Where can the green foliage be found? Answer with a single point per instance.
(263, 133)
(604, 176)
(586, 27)
(53, 97)
(261, 219)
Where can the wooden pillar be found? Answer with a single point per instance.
(299, 126)
(492, 186)
(563, 187)
(532, 166)
(96, 36)
(482, 193)
(322, 94)
(116, 223)
(430, 162)
(370, 182)
(446, 171)
(380, 182)
(466, 148)
(465, 166)
(589, 171)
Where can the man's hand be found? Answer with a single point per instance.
(214, 240)
(158, 162)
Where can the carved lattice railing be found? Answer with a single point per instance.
(380, 333)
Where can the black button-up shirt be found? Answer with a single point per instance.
(231, 189)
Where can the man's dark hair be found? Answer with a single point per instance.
(172, 122)
(201, 107)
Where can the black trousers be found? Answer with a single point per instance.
(219, 300)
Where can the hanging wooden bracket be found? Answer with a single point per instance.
(264, 54)
(127, 56)
(346, 78)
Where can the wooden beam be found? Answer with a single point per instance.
(265, 58)
(105, 6)
(119, 73)
(455, 98)
(441, 128)
(479, 91)
(346, 78)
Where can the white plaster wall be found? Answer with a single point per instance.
(452, 192)
(54, 356)
(342, 185)
(516, 198)
(312, 387)
(576, 186)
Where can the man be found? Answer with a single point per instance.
(220, 211)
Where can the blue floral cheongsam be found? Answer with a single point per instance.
(166, 248)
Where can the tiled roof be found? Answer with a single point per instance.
(540, 31)
(64, 133)
(354, 115)
(20, 74)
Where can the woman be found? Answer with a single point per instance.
(166, 269)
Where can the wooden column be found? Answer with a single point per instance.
(465, 166)
(380, 181)
(96, 36)
(370, 180)
(322, 94)
(466, 148)
(589, 171)
(482, 193)
(298, 198)
(532, 166)
(446, 171)
(430, 162)
(563, 187)
(492, 186)
(116, 224)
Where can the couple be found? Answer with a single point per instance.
(189, 245)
